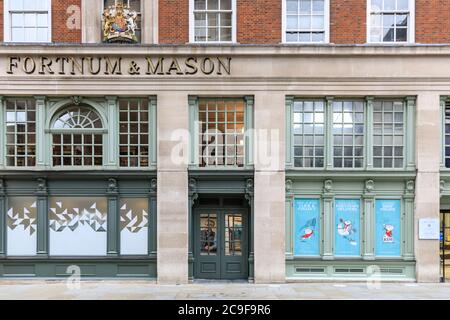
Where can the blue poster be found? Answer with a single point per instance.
(306, 227)
(387, 228)
(347, 223)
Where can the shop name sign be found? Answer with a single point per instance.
(93, 66)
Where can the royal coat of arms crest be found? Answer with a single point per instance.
(119, 24)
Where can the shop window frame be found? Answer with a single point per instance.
(194, 156)
(368, 157)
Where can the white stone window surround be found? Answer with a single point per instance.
(192, 24)
(10, 9)
(411, 22)
(326, 26)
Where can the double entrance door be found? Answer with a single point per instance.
(221, 244)
(445, 245)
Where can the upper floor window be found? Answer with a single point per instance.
(306, 21)
(447, 135)
(134, 132)
(348, 134)
(212, 20)
(21, 132)
(133, 5)
(27, 20)
(309, 134)
(388, 134)
(390, 21)
(222, 126)
(336, 134)
(77, 138)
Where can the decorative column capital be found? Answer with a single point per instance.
(41, 188)
(369, 187)
(113, 188)
(288, 185)
(442, 186)
(328, 187)
(2, 187)
(153, 185)
(76, 100)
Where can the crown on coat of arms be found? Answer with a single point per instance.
(119, 24)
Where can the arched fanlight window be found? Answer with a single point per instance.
(77, 138)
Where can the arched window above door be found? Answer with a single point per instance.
(77, 137)
(78, 118)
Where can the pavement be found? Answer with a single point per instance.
(135, 289)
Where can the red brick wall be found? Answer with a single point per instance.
(63, 24)
(1, 20)
(259, 21)
(348, 21)
(173, 21)
(433, 21)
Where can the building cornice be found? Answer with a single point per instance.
(226, 49)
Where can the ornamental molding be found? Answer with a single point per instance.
(369, 186)
(328, 186)
(112, 186)
(119, 24)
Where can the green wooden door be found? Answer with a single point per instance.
(221, 244)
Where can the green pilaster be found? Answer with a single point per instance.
(193, 130)
(289, 221)
(112, 146)
(408, 221)
(113, 232)
(329, 133)
(410, 132)
(328, 220)
(2, 220)
(250, 197)
(42, 145)
(193, 196)
(442, 105)
(369, 133)
(153, 230)
(153, 132)
(2, 132)
(249, 126)
(289, 136)
(368, 221)
(42, 218)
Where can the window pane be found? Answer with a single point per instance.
(225, 4)
(318, 6)
(292, 6)
(305, 6)
(309, 142)
(403, 5)
(213, 4)
(317, 22)
(200, 4)
(17, 20)
(377, 5)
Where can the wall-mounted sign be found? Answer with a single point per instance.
(347, 225)
(100, 65)
(307, 227)
(429, 229)
(387, 228)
